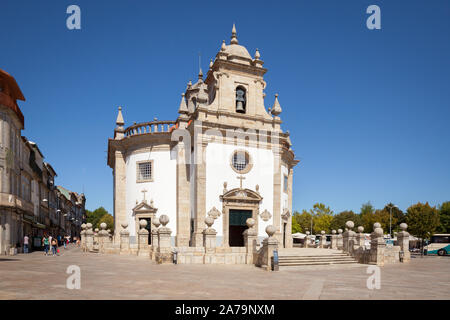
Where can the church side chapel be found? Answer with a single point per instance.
(218, 174)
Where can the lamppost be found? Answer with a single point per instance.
(390, 218)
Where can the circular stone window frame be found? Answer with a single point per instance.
(249, 165)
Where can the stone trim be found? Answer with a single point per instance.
(249, 165)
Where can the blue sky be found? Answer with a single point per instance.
(368, 110)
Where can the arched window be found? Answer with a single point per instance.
(241, 99)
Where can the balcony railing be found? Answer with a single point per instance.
(149, 127)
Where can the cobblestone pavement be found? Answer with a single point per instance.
(35, 276)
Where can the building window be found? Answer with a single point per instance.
(241, 99)
(241, 161)
(285, 183)
(144, 171)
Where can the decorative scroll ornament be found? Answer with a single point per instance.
(214, 213)
(286, 214)
(265, 215)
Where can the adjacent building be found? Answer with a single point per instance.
(30, 203)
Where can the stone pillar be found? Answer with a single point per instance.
(250, 238)
(340, 240)
(7, 232)
(164, 253)
(360, 239)
(349, 237)
(83, 236)
(323, 240)
(403, 242)
(124, 239)
(183, 196)
(119, 193)
(209, 241)
(143, 249)
(200, 181)
(103, 238)
(277, 190)
(89, 238)
(155, 239)
(306, 242)
(269, 245)
(96, 246)
(334, 238)
(377, 245)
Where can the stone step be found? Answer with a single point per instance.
(318, 257)
(328, 259)
(315, 263)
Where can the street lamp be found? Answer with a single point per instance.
(390, 218)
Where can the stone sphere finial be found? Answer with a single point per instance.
(308, 233)
(376, 225)
(270, 230)
(322, 232)
(350, 225)
(89, 225)
(378, 232)
(103, 226)
(333, 231)
(164, 219)
(109, 230)
(340, 231)
(156, 222)
(403, 226)
(124, 224)
(250, 222)
(83, 226)
(96, 229)
(143, 223)
(360, 229)
(209, 221)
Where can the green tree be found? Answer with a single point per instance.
(109, 220)
(422, 220)
(95, 216)
(301, 221)
(341, 218)
(444, 217)
(367, 216)
(322, 217)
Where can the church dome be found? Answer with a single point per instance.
(237, 50)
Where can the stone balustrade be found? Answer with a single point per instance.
(150, 127)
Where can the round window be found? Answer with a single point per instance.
(240, 161)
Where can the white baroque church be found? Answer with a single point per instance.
(225, 156)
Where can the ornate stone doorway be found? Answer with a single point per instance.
(237, 206)
(144, 211)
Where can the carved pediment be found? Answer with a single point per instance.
(265, 215)
(144, 207)
(286, 214)
(239, 194)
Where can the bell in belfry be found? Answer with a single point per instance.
(240, 100)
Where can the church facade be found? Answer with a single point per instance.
(225, 156)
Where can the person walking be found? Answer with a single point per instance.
(54, 246)
(25, 244)
(65, 242)
(50, 238)
(46, 244)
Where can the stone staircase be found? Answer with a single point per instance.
(308, 257)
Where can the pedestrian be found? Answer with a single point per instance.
(25, 244)
(54, 246)
(59, 239)
(65, 242)
(50, 238)
(46, 244)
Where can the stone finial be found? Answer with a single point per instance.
(96, 229)
(360, 229)
(142, 223)
(156, 222)
(109, 230)
(333, 231)
(234, 39)
(209, 221)
(214, 213)
(340, 231)
(376, 225)
(250, 222)
(257, 55)
(119, 120)
(83, 226)
(322, 232)
(183, 107)
(308, 233)
(210, 64)
(350, 225)
(89, 225)
(270, 230)
(257, 188)
(378, 232)
(164, 219)
(403, 226)
(276, 109)
(200, 74)
(124, 224)
(223, 46)
(103, 226)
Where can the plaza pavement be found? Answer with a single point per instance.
(35, 276)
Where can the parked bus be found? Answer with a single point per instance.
(439, 244)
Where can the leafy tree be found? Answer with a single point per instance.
(444, 217)
(302, 221)
(322, 217)
(422, 220)
(109, 220)
(341, 218)
(95, 216)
